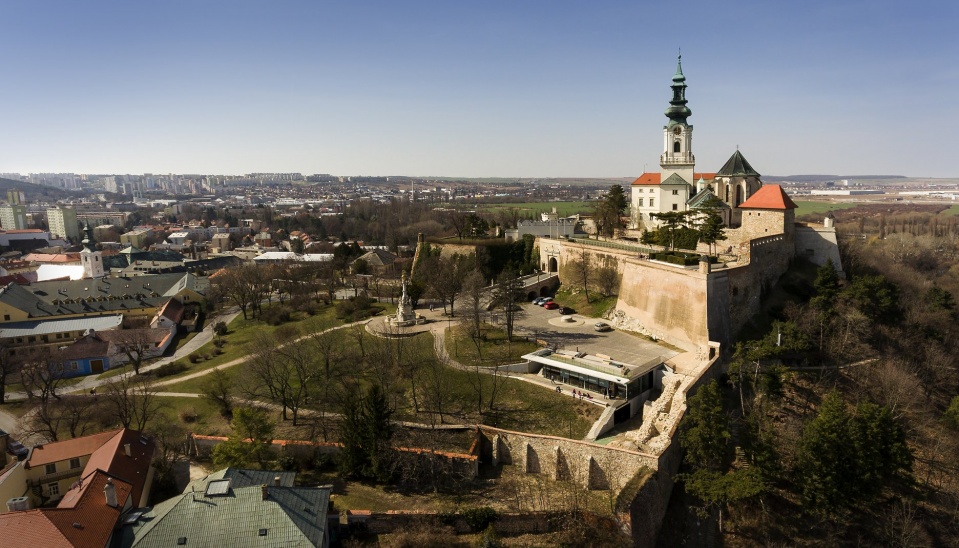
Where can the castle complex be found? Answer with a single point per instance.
(697, 307)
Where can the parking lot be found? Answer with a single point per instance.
(536, 322)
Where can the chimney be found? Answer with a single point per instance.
(266, 491)
(126, 449)
(276, 481)
(110, 493)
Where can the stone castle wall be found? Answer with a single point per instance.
(587, 464)
(664, 302)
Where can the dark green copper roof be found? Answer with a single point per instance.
(737, 166)
(678, 111)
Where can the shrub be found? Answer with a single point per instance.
(188, 415)
(276, 315)
(219, 329)
(171, 368)
(354, 309)
(479, 518)
(194, 357)
(287, 462)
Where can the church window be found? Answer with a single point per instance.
(677, 147)
(675, 193)
(675, 207)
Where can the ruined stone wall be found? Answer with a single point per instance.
(592, 466)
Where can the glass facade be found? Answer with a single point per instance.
(613, 390)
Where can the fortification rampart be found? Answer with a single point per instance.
(592, 466)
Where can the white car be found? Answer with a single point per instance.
(602, 326)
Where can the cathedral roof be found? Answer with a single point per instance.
(769, 197)
(737, 166)
(654, 178)
(704, 197)
(675, 179)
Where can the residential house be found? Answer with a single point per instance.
(51, 470)
(237, 508)
(139, 296)
(378, 260)
(86, 517)
(101, 351)
(41, 337)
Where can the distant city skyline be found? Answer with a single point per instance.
(518, 89)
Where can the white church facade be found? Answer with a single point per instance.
(677, 186)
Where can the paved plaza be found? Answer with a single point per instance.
(546, 325)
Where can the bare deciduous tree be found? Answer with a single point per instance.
(582, 271)
(136, 344)
(132, 402)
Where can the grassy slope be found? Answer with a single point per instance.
(820, 207)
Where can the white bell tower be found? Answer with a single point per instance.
(90, 258)
(677, 134)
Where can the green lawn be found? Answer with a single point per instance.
(182, 339)
(197, 415)
(195, 385)
(495, 349)
(820, 207)
(242, 333)
(953, 210)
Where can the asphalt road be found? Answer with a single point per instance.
(536, 321)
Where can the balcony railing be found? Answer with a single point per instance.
(57, 476)
(668, 161)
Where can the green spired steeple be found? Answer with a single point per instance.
(678, 111)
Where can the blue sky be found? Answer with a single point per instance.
(460, 88)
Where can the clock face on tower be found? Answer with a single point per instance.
(677, 130)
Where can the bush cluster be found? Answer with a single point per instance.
(170, 369)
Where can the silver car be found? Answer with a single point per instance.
(602, 326)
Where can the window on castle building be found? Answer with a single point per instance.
(639, 203)
(675, 207)
(675, 193)
(650, 202)
(676, 147)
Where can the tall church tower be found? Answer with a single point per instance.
(677, 155)
(90, 258)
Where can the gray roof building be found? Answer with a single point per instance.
(223, 509)
(37, 327)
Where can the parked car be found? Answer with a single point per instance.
(538, 301)
(18, 450)
(566, 310)
(550, 306)
(545, 300)
(602, 326)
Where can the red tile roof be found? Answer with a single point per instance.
(112, 458)
(68, 449)
(655, 178)
(769, 197)
(172, 310)
(82, 518)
